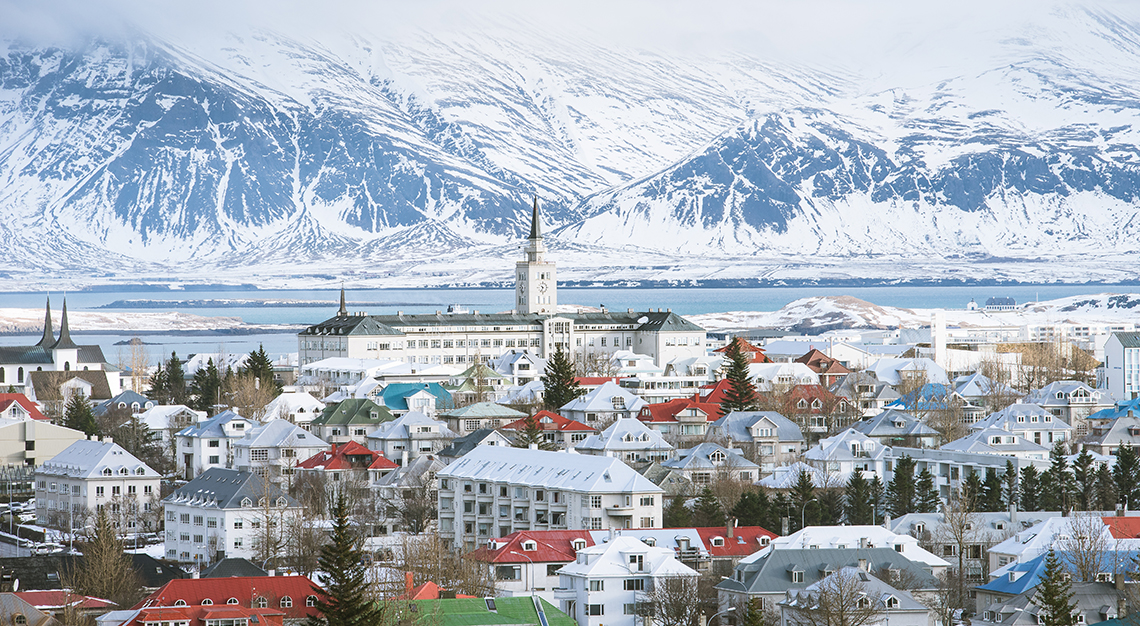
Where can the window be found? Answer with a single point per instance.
(797, 577)
(595, 502)
(552, 569)
(597, 585)
(647, 522)
(261, 602)
(595, 523)
(634, 584)
(197, 520)
(637, 562)
(214, 443)
(98, 492)
(286, 602)
(629, 609)
(238, 543)
(595, 609)
(207, 602)
(892, 602)
(214, 460)
(232, 601)
(311, 601)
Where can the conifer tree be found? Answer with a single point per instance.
(1084, 478)
(753, 509)
(1127, 475)
(829, 506)
(927, 493)
(1106, 496)
(991, 492)
(707, 511)
(345, 600)
(1057, 482)
(802, 494)
(753, 613)
(857, 500)
(1009, 478)
(1055, 595)
(258, 365)
(1029, 489)
(781, 509)
(878, 499)
(559, 386)
(676, 514)
(159, 385)
(741, 393)
(901, 493)
(206, 387)
(973, 490)
(532, 434)
(175, 381)
(78, 415)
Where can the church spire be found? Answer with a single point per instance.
(64, 341)
(535, 224)
(343, 312)
(49, 337)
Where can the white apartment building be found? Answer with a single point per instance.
(89, 476)
(222, 512)
(210, 443)
(494, 491)
(409, 436)
(606, 582)
(275, 448)
(297, 407)
(1122, 365)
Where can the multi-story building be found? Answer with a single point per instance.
(606, 582)
(223, 512)
(527, 562)
(630, 440)
(494, 491)
(352, 419)
(27, 441)
(409, 436)
(1122, 365)
(682, 419)
(1029, 421)
(210, 443)
(1072, 401)
(168, 419)
(767, 438)
(603, 405)
(559, 431)
(274, 449)
(297, 407)
(468, 419)
(704, 463)
(91, 476)
(893, 427)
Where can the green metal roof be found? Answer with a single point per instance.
(473, 612)
(354, 411)
(1128, 340)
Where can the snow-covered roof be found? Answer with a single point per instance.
(221, 361)
(891, 370)
(871, 585)
(786, 476)
(530, 393)
(158, 417)
(605, 398)
(214, 427)
(275, 433)
(611, 560)
(625, 433)
(978, 385)
(709, 456)
(742, 426)
(982, 442)
(792, 373)
(290, 402)
(851, 537)
(848, 445)
(892, 423)
(1060, 393)
(553, 470)
(1020, 417)
(403, 426)
(87, 458)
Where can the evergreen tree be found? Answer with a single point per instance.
(802, 495)
(991, 492)
(1029, 488)
(878, 499)
(676, 514)
(1084, 478)
(973, 490)
(707, 511)
(1106, 496)
(1127, 475)
(78, 415)
(1057, 482)
(175, 381)
(741, 393)
(1055, 595)
(559, 386)
(901, 494)
(753, 613)
(206, 387)
(753, 509)
(345, 600)
(1009, 478)
(532, 434)
(927, 493)
(259, 366)
(160, 385)
(828, 507)
(857, 500)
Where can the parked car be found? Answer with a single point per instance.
(47, 548)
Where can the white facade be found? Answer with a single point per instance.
(29, 441)
(209, 444)
(297, 407)
(409, 436)
(1122, 365)
(275, 448)
(606, 582)
(90, 476)
(536, 284)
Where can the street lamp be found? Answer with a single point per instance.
(803, 511)
(716, 615)
(531, 569)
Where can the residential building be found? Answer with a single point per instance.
(64, 604)
(526, 562)
(478, 383)
(603, 405)
(23, 612)
(350, 420)
(52, 389)
(292, 597)
(467, 419)
(673, 481)
(91, 476)
(184, 615)
(364, 374)
(1072, 401)
(864, 390)
(1029, 421)
(950, 468)
(17, 406)
(894, 603)
(754, 353)
(462, 445)
(297, 407)
(409, 436)
(999, 442)
(895, 371)
(860, 537)
(495, 491)
(1122, 365)
(426, 398)
(630, 440)
(977, 392)
(842, 454)
(1029, 543)
(221, 513)
(1095, 602)
(49, 572)
(781, 376)
(606, 582)
(766, 437)
(706, 462)
(124, 403)
(54, 354)
(682, 419)
(30, 441)
(562, 432)
(466, 611)
(815, 408)
(830, 370)
(1123, 431)
(168, 419)
(345, 462)
(274, 449)
(519, 365)
(893, 427)
(210, 443)
(409, 491)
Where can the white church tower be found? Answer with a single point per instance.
(536, 289)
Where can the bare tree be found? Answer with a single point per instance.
(429, 559)
(1086, 547)
(673, 601)
(595, 364)
(303, 539)
(959, 528)
(245, 393)
(946, 602)
(726, 484)
(415, 505)
(105, 570)
(268, 541)
(840, 599)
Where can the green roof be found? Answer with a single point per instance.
(473, 612)
(391, 324)
(354, 411)
(485, 409)
(480, 370)
(1128, 340)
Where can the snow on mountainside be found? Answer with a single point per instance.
(416, 155)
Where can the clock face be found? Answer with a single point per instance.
(542, 286)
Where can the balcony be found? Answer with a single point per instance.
(620, 510)
(564, 593)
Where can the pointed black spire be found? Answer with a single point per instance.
(535, 225)
(343, 312)
(49, 337)
(64, 341)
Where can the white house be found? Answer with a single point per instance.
(604, 404)
(842, 454)
(769, 376)
(210, 443)
(606, 582)
(493, 491)
(409, 436)
(1122, 365)
(275, 448)
(89, 476)
(628, 439)
(1030, 422)
(998, 441)
(519, 365)
(704, 462)
(297, 407)
(222, 512)
(859, 537)
(168, 419)
(894, 605)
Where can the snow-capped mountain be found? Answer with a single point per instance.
(416, 155)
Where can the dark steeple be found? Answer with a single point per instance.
(49, 337)
(64, 342)
(343, 312)
(535, 225)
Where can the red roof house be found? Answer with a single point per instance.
(556, 429)
(742, 541)
(198, 614)
(1123, 527)
(755, 354)
(681, 416)
(425, 591)
(714, 393)
(292, 596)
(527, 560)
(590, 383)
(830, 370)
(19, 406)
(345, 457)
(56, 601)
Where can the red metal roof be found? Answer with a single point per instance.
(551, 421)
(1123, 527)
(551, 546)
(596, 381)
(820, 363)
(668, 411)
(57, 599)
(809, 393)
(336, 458)
(744, 540)
(6, 400)
(714, 393)
(197, 614)
(756, 353)
(246, 589)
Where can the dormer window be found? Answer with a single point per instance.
(816, 404)
(246, 503)
(892, 602)
(579, 544)
(765, 540)
(718, 542)
(802, 404)
(107, 471)
(140, 472)
(529, 546)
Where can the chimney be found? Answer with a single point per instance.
(194, 574)
(271, 572)
(404, 459)
(863, 565)
(409, 584)
(611, 533)
(1012, 513)
(1120, 510)
(730, 527)
(784, 526)
(533, 446)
